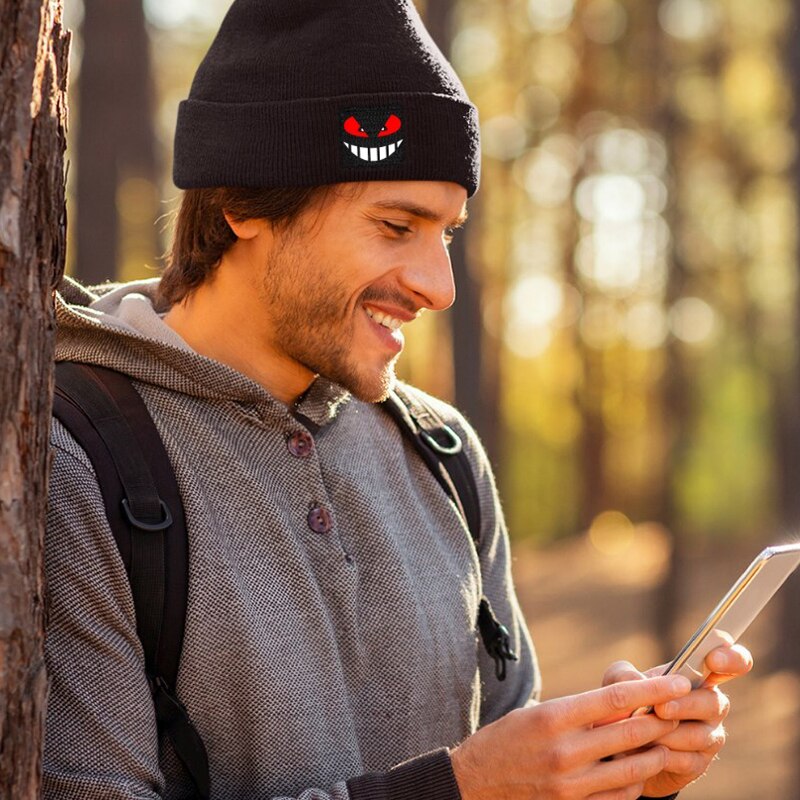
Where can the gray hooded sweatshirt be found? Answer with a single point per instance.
(335, 665)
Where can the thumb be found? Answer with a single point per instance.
(621, 671)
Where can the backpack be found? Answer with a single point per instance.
(109, 420)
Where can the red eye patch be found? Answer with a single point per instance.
(353, 127)
(392, 125)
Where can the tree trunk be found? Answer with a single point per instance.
(786, 652)
(115, 136)
(678, 399)
(475, 377)
(33, 54)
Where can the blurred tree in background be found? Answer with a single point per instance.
(628, 278)
(474, 380)
(632, 156)
(118, 168)
(786, 391)
(626, 335)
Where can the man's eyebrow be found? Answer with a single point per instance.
(420, 211)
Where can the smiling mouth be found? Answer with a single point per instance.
(373, 153)
(391, 323)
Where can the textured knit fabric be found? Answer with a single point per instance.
(304, 93)
(330, 650)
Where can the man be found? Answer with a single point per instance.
(330, 648)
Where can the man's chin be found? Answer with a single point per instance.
(372, 388)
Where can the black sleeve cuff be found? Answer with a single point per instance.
(669, 797)
(428, 777)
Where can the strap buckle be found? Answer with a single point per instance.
(450, 449)
(166, 520)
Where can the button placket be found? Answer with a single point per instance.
(300, 444)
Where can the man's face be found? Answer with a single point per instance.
(337, 285)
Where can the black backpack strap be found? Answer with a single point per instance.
(108, 418)
(442, 450)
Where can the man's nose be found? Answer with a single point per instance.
(429, 275)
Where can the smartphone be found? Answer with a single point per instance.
(737, 609)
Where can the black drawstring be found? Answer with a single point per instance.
(496, 639)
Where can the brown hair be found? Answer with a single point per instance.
(202, 234)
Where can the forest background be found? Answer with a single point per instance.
(625, 338)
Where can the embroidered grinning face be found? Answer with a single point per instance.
(372, 135)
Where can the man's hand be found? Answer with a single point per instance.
(556, 751)
(700, 734)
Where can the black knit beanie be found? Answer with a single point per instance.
(311, 92)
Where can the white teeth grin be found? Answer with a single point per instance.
(373, 153)
(392, 323)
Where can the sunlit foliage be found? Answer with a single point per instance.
(637, 212)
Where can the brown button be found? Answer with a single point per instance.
(300, 444)
(320, 520)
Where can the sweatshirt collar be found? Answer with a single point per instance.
(120, 326)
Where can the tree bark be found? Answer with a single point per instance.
(33, 54)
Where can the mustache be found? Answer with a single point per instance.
(391, 296)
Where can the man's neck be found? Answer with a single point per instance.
(223, 320)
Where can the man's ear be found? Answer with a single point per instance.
(245, 228)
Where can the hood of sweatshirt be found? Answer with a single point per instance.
(120, 326)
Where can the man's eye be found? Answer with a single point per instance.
(449, 235)
(394, 228)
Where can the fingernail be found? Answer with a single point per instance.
(716, 660)
(670, 709)
(680, 684)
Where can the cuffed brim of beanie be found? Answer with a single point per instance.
(303, 143)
